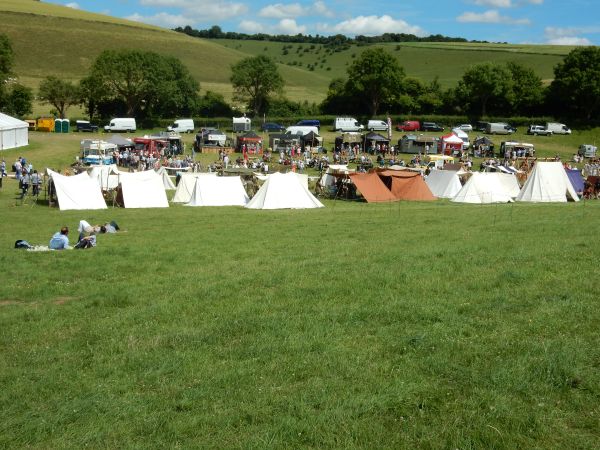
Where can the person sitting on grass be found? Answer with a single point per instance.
(85, 228)
(60, 240)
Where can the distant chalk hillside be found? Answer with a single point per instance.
(55, 40)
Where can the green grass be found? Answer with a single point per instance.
(405, 325)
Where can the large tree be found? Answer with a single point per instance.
(6, 57)
(485, 86)
(576, 85)
(527, 90)
(375, 77)
(145, 82)
(254, 80)
(15, 98)
(59, 93)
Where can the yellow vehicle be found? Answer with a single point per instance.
(45, 124)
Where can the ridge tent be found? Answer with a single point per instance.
(405, 185)
(107, 176)
(488, 187)
(142, 190)
(185, 187)
(77, 191)
(282, 191)
(166, 179)
(443, 183)
(13, 132)
(547, 182)
(576, 180)
(371, 187)
(218, 191)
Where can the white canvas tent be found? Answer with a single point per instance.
(167, 182)
(282, 191)
(185, 187)
(77, 192)
(13, 132)
(106, 176)
(218, 191)
(547, 182)
(143, 190)
(443, 183)
(488, 187)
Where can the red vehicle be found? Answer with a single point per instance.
(409, 125)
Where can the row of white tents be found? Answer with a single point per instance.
(548, 182)
(147, 189)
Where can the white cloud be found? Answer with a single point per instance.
(198, 11)
(494, 3)
(281, 11)
(322, 10)
(569, 35)
(491, 16)
(505, 3)
(569, 40)
(73, 5)
(371, 26)
(251, 27)
(292, 10)
(162, 19)
(288, 26)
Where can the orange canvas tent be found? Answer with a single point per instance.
(406, 185)
(371, 187)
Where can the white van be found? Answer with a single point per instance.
(558, 128)
(301, 130)
(182, 126)
(126, 124)
(499, 128)
(463, 136)
(347, 124)
(377, 125)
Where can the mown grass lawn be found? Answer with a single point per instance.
(375, 326)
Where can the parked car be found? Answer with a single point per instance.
(309, 123)
(467, 127)
(272, 127)
(84, 125)
(539, 130)
(431, 126)
(409, 125)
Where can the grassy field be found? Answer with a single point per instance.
(405, 325)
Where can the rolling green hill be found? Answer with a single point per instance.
(56, 40)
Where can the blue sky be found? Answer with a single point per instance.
(573, 22)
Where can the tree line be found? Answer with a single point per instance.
(215, 32)
(147, 85)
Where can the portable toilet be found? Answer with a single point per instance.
(58, 125)
(65, 125)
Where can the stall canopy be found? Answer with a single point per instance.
(250, 139)
(13, 132)
(547, 182)
(443, 183)
(405, 185)
(120, 142)
(142, 190)
(488, 187)
(371, 187)
(218, 191)
(284, 191)
(77, 192)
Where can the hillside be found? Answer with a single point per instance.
(56, 40)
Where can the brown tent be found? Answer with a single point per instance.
(405, 185)
(371, 187)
